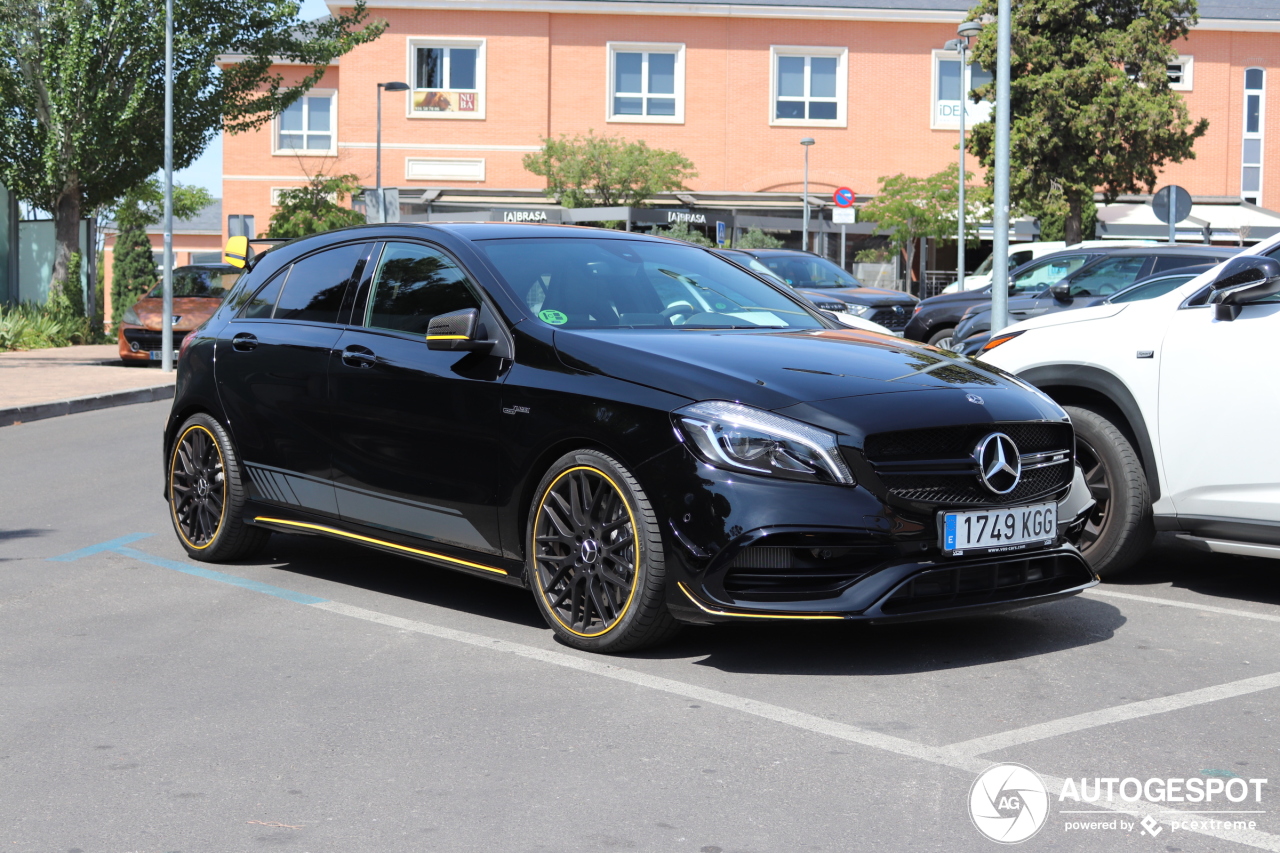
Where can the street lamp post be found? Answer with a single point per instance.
(966, 31)
(166, 324)
(1000, 272)
(390, 87)
(806, 142)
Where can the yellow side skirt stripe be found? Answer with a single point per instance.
(333, 531)
(717, 612)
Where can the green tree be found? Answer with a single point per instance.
(908, 208)
(1089, 99)
(82, 85)
(133, 266)
(315, 208)
(682, 231)
(1053, 219)
(754, 238)
(587, 171)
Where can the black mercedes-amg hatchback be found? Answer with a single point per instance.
(639, 431)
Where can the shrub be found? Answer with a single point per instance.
(682, 231)
(28, 326)
(754, 238)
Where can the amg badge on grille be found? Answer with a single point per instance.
(999, 463)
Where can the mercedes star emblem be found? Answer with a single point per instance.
(974, 398)
(999, 463)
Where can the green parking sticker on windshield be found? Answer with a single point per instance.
(555, 318)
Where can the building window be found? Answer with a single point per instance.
(1180, 73)
(1251, 148)
(307, 125)
(808, 86)
(447, 78)
(646, 82)
(952, 81)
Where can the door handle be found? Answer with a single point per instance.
(358, 357)
(244, 342)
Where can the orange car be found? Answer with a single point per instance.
(197, 293)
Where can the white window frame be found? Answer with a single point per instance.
(1255, 195)
(331, 151)
(842, 84)
(613, 48)
(477, 44)
(973, 113)
(445, 169)
(1188, 72)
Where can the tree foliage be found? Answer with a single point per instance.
(133, 266)
(587, 171)
(316, 208)
(1090, 102)
(82, 84)
(908, 209)
(754, 238)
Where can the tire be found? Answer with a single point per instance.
(1119, 529)
(207, 494)
(598, 589)
(941, 338)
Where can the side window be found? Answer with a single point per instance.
(1106, 277)
(1017, 259)
(1048, 272)
(1166, 263)
(313, 292)
(258, 306)
(413, 284)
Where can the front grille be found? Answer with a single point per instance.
(771, 573)
(985, 583)
(936, 466)
(149, 339)
(891, 318)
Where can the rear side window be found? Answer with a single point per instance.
(1106, 277)
(314, 289)
(1166, 263)
(412, 284)
(1048, 272)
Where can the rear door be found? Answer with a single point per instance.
(272, 364)
(415, 430)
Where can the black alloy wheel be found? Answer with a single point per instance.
(596, 558)
(1119, 528)
(207, 494)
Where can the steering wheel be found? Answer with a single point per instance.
(678, 308)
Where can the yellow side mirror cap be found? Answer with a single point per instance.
(236, 252)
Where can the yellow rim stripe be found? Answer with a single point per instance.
(447, 338)
(717, 612)
(173, 509)
(336, 532)
(635, 533)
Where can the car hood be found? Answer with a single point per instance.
(776, 369)
(859, 295)
(190, 310)
(1062, 318)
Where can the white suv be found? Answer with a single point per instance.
(1176, 405)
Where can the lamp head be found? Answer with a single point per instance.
(807, 141)
(394, 87)
(969, 29)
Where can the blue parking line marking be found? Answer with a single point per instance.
(101, 546)
(210, 574)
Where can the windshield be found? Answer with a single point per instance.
(209, 283)
(586, 283)
(808, 272)
(1046, 273)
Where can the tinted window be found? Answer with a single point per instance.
(1153, 289)
(315, 286)
(1165, 263)
(260, 305)
(413, 284)
(619, 284)
(214, 284)
(1047, 272)
(806, 272)
(1107, 276)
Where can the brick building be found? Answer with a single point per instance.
(732, 85)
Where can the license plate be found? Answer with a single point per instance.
(990, 531)
(157, 354)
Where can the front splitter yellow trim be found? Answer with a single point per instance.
(333, 531)
(715, 611)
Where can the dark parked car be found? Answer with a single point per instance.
(1092, 272)
(831, 288)
(638, 431)
(976, 322)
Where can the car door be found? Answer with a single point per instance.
(414, 429)
(1218, 413)
(272, 365)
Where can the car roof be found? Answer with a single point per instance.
(515, 230)
(1161, 249)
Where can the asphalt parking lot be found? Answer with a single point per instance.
(333, 699)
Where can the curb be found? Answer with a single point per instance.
(40, 411)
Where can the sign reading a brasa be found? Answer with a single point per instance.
(500, 215)
(669, 217)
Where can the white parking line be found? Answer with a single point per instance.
(1117, 714)
(947, 756)
(1208, 608)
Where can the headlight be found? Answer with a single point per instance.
(997, 340)
(131, 317)
(858, 310)
(740, 438)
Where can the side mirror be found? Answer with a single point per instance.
(236, 252)
(1244, 280)
(458, 331)
(1061, 291)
